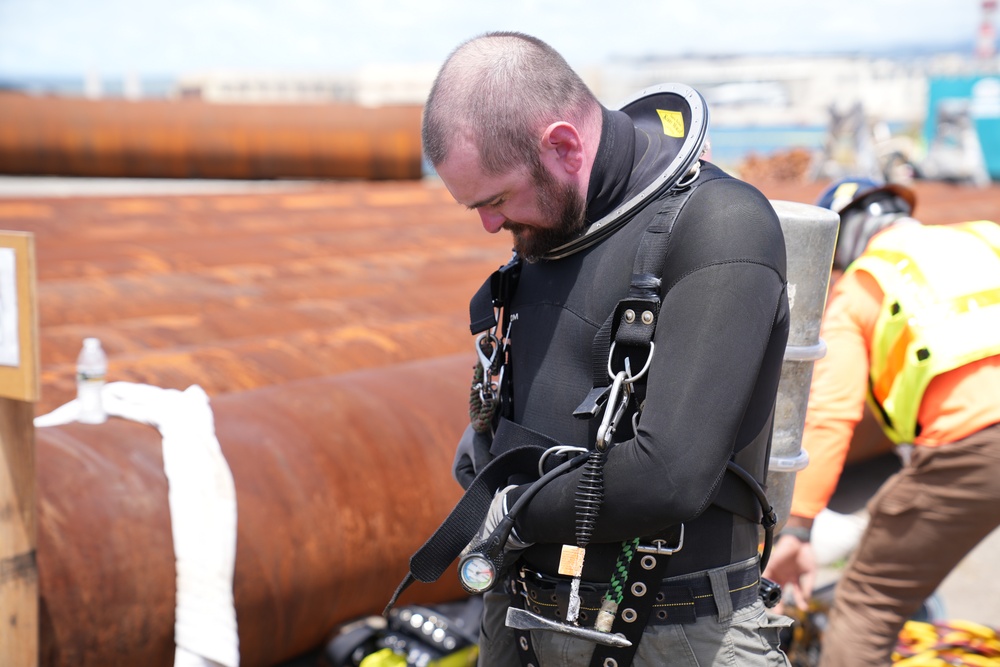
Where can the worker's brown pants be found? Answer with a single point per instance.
(924, 520)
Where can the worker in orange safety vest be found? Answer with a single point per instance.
(912, 326)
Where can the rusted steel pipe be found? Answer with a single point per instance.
(118, 244)
(269, 325)
(338, 481)
(380, 277)
(194, 139)
(68, 221)
(173, 330)
(224, 366)
(236, 292)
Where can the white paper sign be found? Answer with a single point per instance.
(10, 348)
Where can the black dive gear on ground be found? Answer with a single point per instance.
(419, 634)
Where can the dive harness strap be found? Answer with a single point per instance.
(648, 568)
(522, 449)
(633, 322)
(646, 572)
(631, 327)
(493, 295)
(488, 303)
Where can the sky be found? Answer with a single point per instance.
(172, 37)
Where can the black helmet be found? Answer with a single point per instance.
(865, 208)
(849, 192)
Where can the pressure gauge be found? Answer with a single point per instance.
(476, 572)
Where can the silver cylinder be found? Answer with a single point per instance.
(810, 238)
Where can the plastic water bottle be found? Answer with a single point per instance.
(91, 372)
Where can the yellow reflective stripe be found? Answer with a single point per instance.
(903, 264)
(908, 269)
(983, 299)
(985, 230)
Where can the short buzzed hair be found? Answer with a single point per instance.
(499, 89)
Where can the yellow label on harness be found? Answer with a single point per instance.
(673, 123)
(571, 561)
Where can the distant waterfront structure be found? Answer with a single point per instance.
(741, 90)
(773, 90)
(265, 87)
(759, 90)
(986, 40)
(369, 85)
(859, 113)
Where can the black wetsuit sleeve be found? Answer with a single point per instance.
(723, 290)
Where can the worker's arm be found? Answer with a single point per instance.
(836, 405)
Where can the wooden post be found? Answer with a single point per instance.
(18, 392)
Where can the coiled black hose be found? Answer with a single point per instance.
(589, 496)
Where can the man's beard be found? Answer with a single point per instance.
(561, 203)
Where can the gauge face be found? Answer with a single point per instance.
(476, 573)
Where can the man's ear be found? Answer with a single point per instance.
(562, 147)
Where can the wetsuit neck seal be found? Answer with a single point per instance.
(663, 130)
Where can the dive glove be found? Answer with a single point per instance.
(498, 510)
(471, 456)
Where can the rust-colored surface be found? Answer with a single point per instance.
(270, 303)
(194, 139)
(338, 481)
(329, 328)
(241, 291)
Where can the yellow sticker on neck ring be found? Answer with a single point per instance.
(673, 123)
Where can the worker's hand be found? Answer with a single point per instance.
(793, 566)
(471, 456)
(498, 510)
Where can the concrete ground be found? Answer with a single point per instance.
(971, 592)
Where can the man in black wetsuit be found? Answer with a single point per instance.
(515, 135)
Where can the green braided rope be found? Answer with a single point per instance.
(616, 589)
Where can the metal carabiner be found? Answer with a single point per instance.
(614, 408)
(487, 361)
(487, 388)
